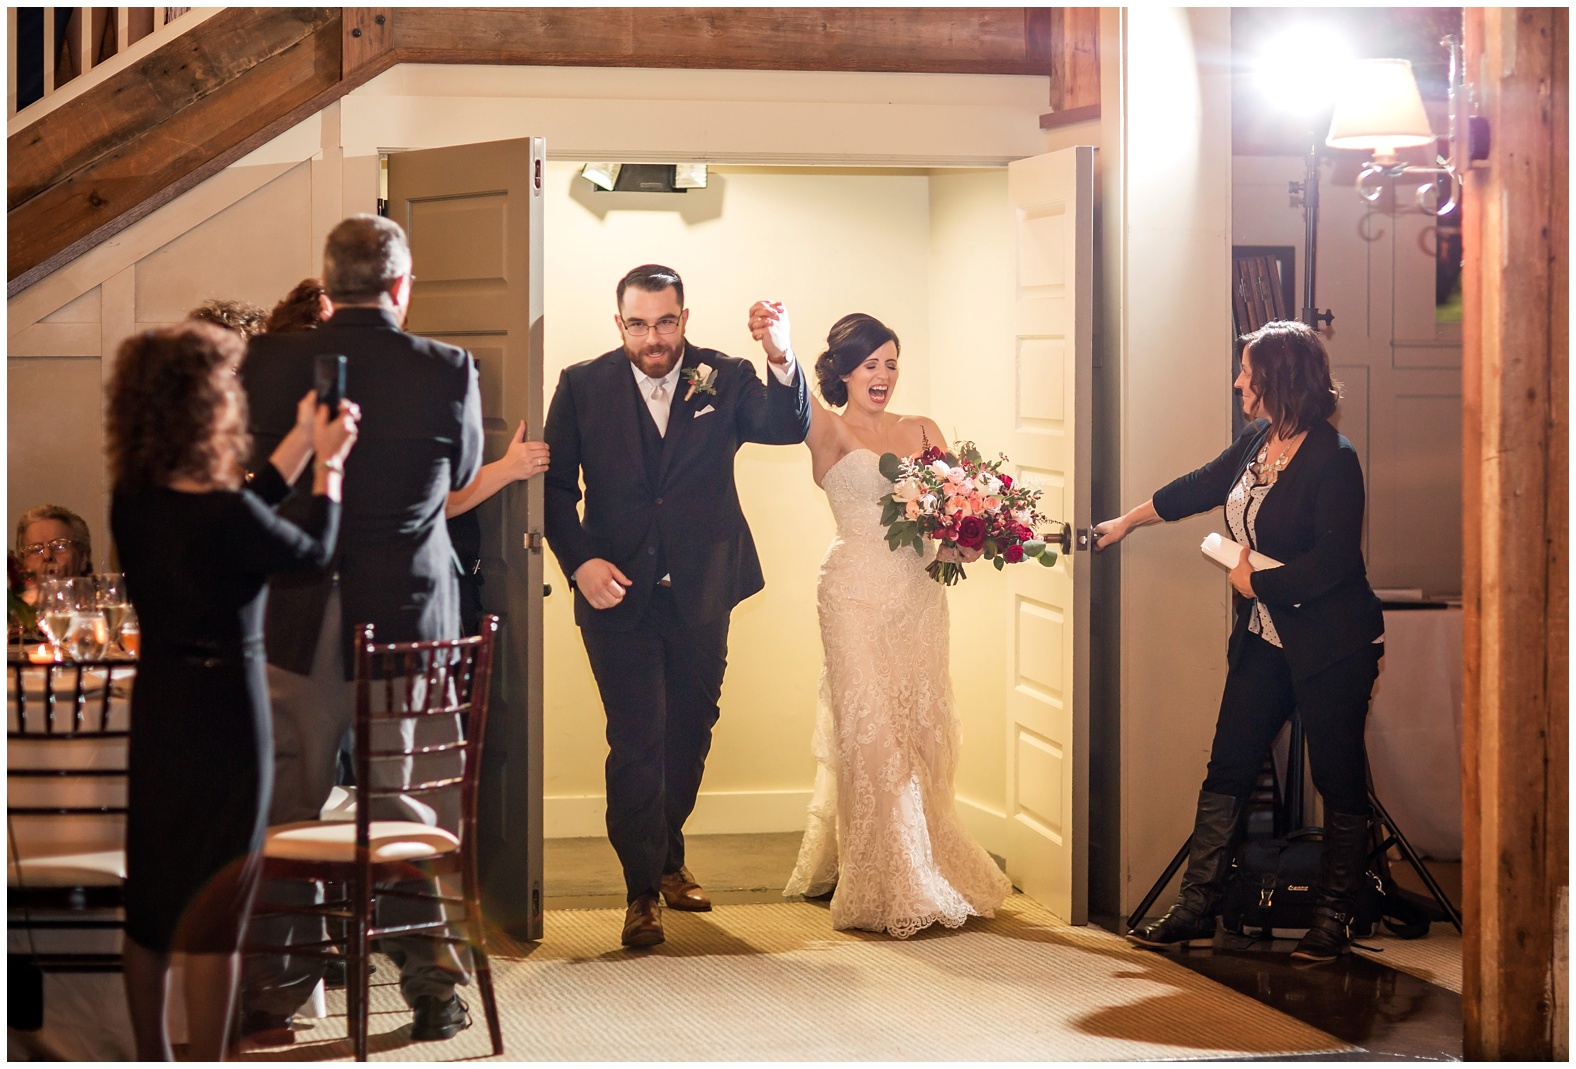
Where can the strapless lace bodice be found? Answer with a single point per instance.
(854, 488)
(882, 827)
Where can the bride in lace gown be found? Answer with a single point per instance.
(882, 828)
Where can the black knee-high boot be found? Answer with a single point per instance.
(1192, 918)
(1342, 865)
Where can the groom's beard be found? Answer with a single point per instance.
(656, 358)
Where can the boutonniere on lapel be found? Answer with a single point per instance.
(702, 378)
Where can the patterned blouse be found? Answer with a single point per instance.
(1242, 510)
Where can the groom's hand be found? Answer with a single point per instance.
(601, 582)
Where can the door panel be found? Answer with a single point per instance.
(1051, 198)
(474, 217)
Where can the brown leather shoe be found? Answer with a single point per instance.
(643, 922)
(680, 891)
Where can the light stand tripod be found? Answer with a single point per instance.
(1291, 802)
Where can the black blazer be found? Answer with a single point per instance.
(1312, 522)
(420, 437)
(683, 510)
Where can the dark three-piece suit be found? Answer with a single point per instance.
(664, 509)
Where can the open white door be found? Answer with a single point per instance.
(474, 217)
(1051, 198)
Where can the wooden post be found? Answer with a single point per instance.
(368, 37)
(1515, 729)
(1075, 66)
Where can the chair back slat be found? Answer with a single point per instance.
(403, 685)
(67, 734)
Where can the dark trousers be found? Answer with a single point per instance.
(660, 683)
(1261, 694)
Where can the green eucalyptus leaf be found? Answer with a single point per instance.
(1000, 563)
(1048, 558)
(890, 466)
(1033, 547)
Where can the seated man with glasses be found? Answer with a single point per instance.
(54, 543)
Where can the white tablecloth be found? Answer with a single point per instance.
(1414, 728)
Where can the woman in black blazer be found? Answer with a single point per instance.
(1308, 634)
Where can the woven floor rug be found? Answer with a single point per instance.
(774, 982)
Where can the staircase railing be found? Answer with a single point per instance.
(54, 53)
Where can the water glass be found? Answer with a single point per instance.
(87, 638)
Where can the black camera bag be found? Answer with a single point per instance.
(1271, 888)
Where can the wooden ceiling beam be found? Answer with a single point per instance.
(131, 144)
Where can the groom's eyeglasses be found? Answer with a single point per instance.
(637, 328)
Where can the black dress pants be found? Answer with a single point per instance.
(659, 683)
(1260, 695)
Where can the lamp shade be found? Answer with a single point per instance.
(1379, 109)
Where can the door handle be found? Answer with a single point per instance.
(1066, 538)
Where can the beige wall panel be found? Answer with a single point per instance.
(740, 116)
(85, 309)
(1168, 270)
(254, 250)
(55, 441)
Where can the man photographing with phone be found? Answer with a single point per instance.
(421, 438)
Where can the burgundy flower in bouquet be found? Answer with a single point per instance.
(966, 504)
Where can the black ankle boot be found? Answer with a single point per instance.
(1192, 918)
(1342, 865)
(1328, 939)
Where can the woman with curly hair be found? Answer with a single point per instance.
(1308, 633)
(198, 539)
(304, 308)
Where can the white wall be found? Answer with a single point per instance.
(1166, 239)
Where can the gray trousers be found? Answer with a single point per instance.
(311, 715)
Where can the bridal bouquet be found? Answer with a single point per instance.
(964, 502)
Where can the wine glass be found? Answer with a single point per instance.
(131, 633)
(111, 592)
(55, 609)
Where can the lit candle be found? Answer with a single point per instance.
(42, 655)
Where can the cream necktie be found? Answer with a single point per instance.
(659, 403)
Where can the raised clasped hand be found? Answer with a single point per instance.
(769, 326)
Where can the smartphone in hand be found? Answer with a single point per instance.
(329, 380)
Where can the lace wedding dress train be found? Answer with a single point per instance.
(882, 827)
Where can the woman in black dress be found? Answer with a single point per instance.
(1308, 634)
(197, 545)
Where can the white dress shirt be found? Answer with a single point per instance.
(659, 407)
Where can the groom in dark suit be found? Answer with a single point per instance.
(658, 560)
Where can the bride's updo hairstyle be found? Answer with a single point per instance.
(848, 344)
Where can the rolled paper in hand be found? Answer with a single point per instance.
(1228, 552)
